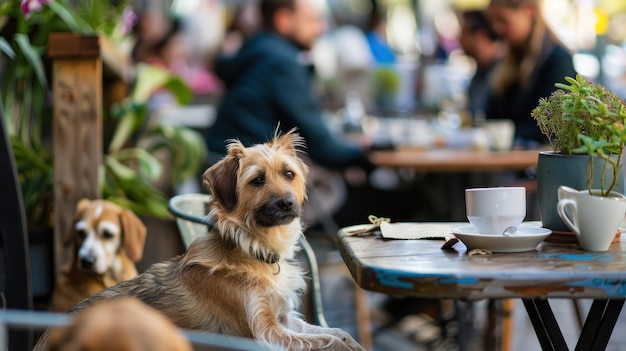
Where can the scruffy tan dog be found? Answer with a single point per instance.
(124, 324)
(108, 240)
(242, 278)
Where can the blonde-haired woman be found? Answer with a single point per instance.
(534, 61)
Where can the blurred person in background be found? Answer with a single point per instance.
(172, 52)
(480, 42)
(162, 40)
(244, 24)
(269, 83)
(376, 35)
(535, 60)
(151, 26)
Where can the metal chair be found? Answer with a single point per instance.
(190, 212)
(15, 272)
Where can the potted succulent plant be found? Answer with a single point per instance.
(584, 122)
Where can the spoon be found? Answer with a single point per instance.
(509, 231)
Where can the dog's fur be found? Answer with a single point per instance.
(108, 239)
(241, 279)
(124, 324)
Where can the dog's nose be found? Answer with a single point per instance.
(277, 211)
(87, 262)
(286, 203)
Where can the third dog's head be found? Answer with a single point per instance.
(104, 231)
(262, 185)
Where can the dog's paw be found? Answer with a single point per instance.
(347, 340)
(341, 344)
(353, 344)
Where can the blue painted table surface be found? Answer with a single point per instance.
(421, 268)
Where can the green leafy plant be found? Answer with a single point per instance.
(583, 117)
(24, 87)
(24, 27)
(129, 168)
(129, 171)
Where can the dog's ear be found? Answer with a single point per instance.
(289, 142)
(303, 167)
(221, 178)
(82, 205)
(134, 234)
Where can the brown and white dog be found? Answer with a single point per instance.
(108, 240)
(242, 278)
(120, 324)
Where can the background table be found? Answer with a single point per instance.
(421, 268)
(450, 171)
(456, 160)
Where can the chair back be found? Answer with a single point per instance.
(190, 211)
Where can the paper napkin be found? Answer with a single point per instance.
(410, 231)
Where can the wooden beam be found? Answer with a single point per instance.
(79, 89)
(77, 126)
(72, 46)
(77, 138)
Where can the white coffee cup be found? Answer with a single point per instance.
(492, 210)
(594, 219)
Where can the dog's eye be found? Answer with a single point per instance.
(82, 233)
(107, 234)
(289, 175)
(260, 180)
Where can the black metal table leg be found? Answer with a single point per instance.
(545, 325)
(461, 308)
(599, 324)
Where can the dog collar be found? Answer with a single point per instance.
(270, 258)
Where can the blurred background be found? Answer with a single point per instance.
(391, 58)
(430, 65)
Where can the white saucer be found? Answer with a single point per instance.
(526, 239)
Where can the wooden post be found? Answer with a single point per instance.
(87, 70)
(77, 130)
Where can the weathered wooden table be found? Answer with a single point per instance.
(456, 160)
(421, 268)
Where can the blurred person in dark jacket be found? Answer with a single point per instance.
(535, 60)
(480, 42)
(269, 82)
